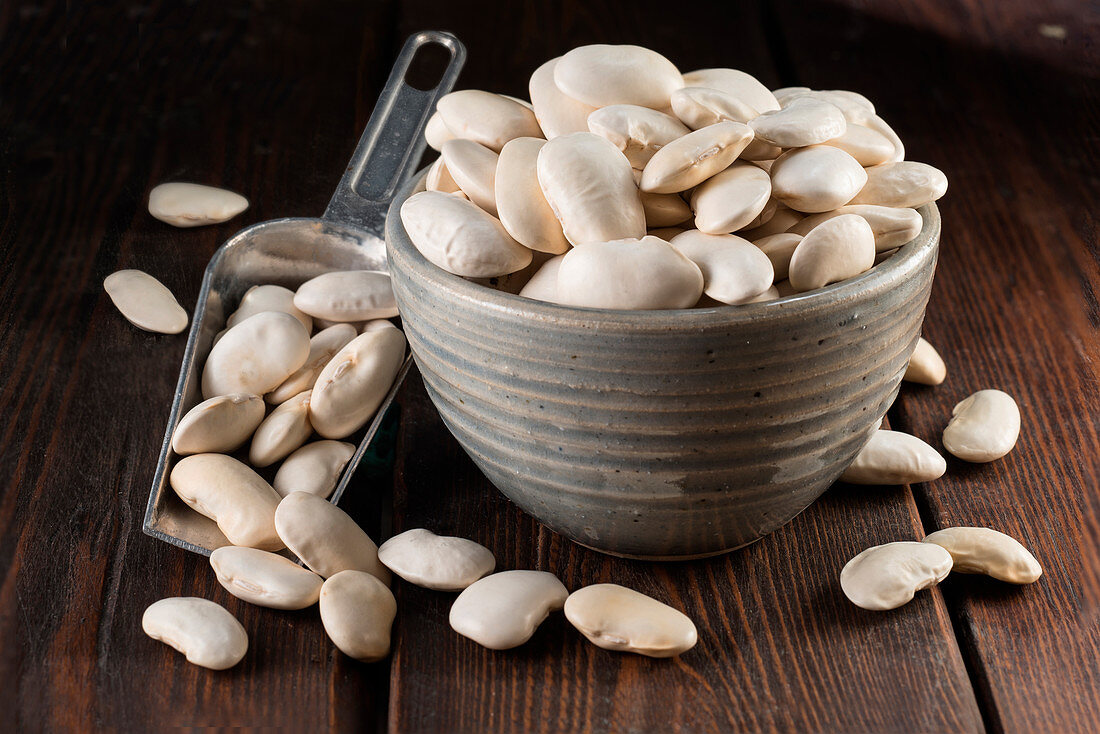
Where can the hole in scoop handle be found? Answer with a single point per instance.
(393, 142)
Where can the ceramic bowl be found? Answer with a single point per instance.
(663, 434)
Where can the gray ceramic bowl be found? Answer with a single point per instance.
(663, 434)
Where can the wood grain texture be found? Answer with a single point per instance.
(1014, 308)
(99, 105)
(780, 648)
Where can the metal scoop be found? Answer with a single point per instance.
(288, 252)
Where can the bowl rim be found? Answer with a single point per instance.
(905, 263)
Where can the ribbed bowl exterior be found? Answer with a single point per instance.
(663, 434)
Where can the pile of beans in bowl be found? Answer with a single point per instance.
(625, 184)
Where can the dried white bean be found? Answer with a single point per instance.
(638, 132)
(543, 285)
(779, 248)
(731, 200)
(983, 427)
(193, 205)
(353, 384)
(735, 83)
(265, 579)
(887, 576)
(474, 169)
(816, 179)
(926, 366)
(986, 551)
(734, 270)
(436, 132)
(440, 179)
(664, 210)
(357, 611)
(835, 250)
(232, 495)
(461, 238)
(879, 125)
(439, 562)
(692, 159)
(856, 108)
(219, 425)
(892, 226)
(647, 273)
(503, 610)
(698, 107)
(893, 457)
(868, 147)
(902, 184)
(522, 207)
(313, 468)
(348, 295)
(588, 184)
(617, 618)
(203, 631)
(260, 298)
(322, 347)
(557, 113)
(325, 537)
(256, 355)
(145, 302)
(603, 75)
(804, 121)
(487, 118)
(282, 432)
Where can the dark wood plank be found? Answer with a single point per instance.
(1010, 116)
(780, 648)
(100, 103)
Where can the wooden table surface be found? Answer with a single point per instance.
(99, 102)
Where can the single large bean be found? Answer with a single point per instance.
(819, 178)
(352, 386)
(588, 183)
(265, 579)
(325, 537)
(603, 75)
(314, 468)
(628, 274)
(145, 302)
(357, 611)
(439, 562)
(692, 159)
(983, 427)
(232, 495)
(887, 576)
(260, 298)
(256, 355)
(521, 205)
(835, 250)
(893, 457)
(219, 425)
(203, 631)
(486, 118)
(986, 551)
(503, 610)
(348, 295)
(460, 237)
(283, 431)
(617, 618)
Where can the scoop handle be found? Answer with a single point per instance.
(391, 146)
